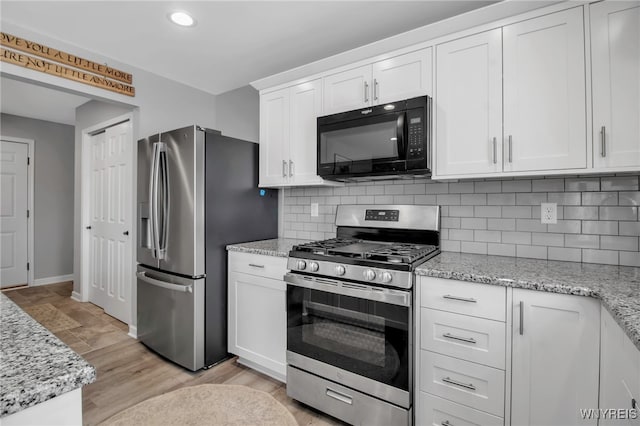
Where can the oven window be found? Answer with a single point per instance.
(362, 143)
(361, 336)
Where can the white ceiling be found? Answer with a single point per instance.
(234, 42)
(28, 100)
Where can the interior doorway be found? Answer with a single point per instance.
(108, 177)
(16, 208)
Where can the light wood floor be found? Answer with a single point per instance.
(128, 372)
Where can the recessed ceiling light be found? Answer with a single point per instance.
(182, 18)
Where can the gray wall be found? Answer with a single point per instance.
(54, 189)
(598, 217)
(238, 113)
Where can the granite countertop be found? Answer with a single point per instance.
(35, 366)
(279, 247)
(617, 286)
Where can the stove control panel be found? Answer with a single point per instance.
(382, 215)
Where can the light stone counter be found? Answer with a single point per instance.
(618, 287)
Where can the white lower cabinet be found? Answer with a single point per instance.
(555, 356)
(257, 312)
(619, 375)
(438, 411)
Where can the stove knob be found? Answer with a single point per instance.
(340, 270)
(313, 266)
(386, 277)
(369, 275)
(301, 264)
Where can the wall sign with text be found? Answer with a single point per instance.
(19, 51)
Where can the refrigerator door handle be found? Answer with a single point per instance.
(153, 200)
(164, 169)
(169, 286)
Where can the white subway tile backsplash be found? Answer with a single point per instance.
(619, 183)
(473, 223)
(608, 257)
(516, 186)
(501, 199)
(598, 216)
(618, 213)
(501, 249)
(548, 185)
(582, 184)
(564, 254)
(534, 252)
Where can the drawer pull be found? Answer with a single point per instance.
(462, 339)
(457, 383)
(339, 396)
(256, 266)
(446, 423)
(461, 299)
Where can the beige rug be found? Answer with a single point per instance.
(51, 317)
(227, 405)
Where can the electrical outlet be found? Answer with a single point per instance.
(314, 209)
(549, 213)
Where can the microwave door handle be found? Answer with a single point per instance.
(400, 127)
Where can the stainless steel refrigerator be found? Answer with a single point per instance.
(197, 192)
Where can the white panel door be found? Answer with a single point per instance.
(615, 68)
(14, 192)
(468, 105)
(544, 93)
(347, 90)
(274, 138)
(306, 106)
(555, 358)
(403, 77)
(111, 198)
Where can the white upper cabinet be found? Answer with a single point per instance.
(544, 93)
(615, 80)
(468, 113)
(288, 137)
(347, 90)
(555, 358)
(306, 106)
(274, 138)
(394, 79)
(402, 77)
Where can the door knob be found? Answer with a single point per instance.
(125, 233)
(87, 227)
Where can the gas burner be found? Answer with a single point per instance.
(323, 247)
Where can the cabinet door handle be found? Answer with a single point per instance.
(375, 89)
(603, 142)
(462, 339)
(521, 317)
(290, 168)
(461, 299)
(284, 168)
(366, 91)
(446, 423)
(256, 266)
(495, 150)
(457, 383)
(510, 149)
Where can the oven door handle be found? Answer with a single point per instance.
(393, 297)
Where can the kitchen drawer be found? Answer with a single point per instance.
(478, 300)
(461, 336)
(438, 411)
(467, 383)
(258, 264)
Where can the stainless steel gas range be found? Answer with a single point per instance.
(350, 313)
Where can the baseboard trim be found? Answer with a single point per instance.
(52, 280)
(133, 331)
(76, 296)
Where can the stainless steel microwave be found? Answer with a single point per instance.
(382, 141)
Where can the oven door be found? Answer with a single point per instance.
(366, 145)
(357, 335)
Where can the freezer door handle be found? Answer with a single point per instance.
(169, 286)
